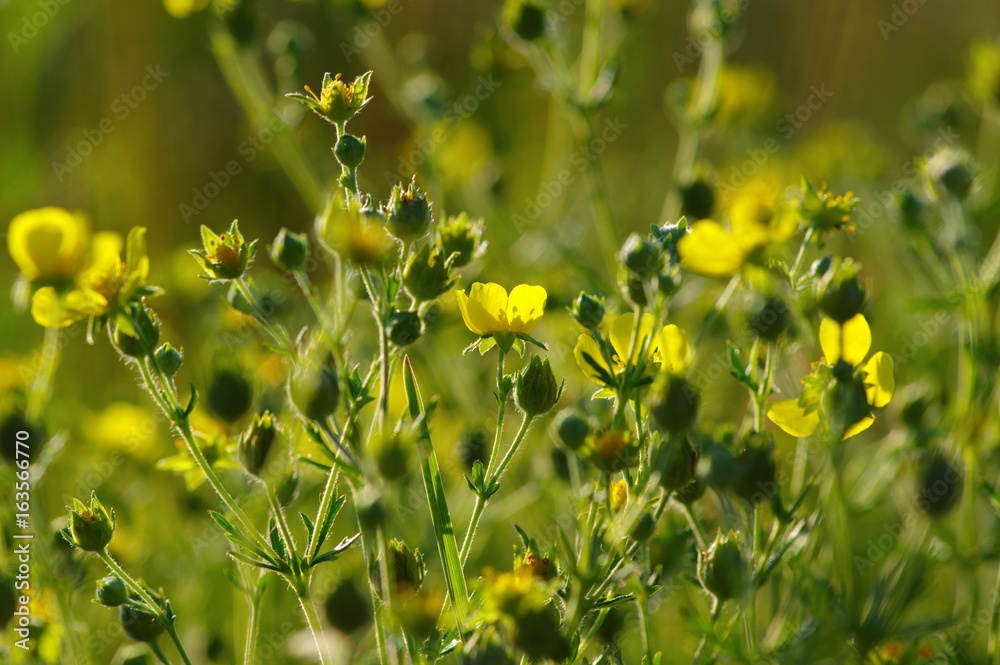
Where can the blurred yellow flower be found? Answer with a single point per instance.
(618, 493)
(758, 219)
(850, 343)
(48, 244)
(183, 8)
(667, 347)
(488, 309)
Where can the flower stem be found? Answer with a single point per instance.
(276, 330)
(315, 626)
(41, 387)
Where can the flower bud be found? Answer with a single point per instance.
(536, 390)
(289, 250)
(949, 171)
(393, 456)
(536, 633)
(169, 359)
(771, 320)
(146, 337)
(940, 487)
(691, 492)
(111, 591)
(846, 401)
(588, 310)
(139, 624)
(721, 569)
(679, 462)
(841, 294)
(315, 389)
(484, 649)
(408, 213)
(697, 199)
(371, 512)
(572, 428)
(633, 288)
(460, 239)
(819, 267)
(405, 328)
(406, 568)
(256, 442)
(526, 18)
(427, 275)
(640, 256)
(350, 150)
(90, 526)
(911, 209)
(338, 100)
(668, 282)
(229, 395)
(755, 469)
(346, 609)
(676, 404)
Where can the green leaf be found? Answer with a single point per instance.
(326, 521)
(276, 541)
(192, 400)
(308, 524)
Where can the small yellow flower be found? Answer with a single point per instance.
(757, 220)
(224, 256)
(618, 493)
(850, 343)
(667, 347)
(497, 318)
(48, 244)
(338, 101)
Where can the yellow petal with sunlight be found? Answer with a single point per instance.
(525, 307)
(674, 349)
(47, 243)
(621, 335)
(587, 346)
(485, 308)
(859, 426)
(47, 309)
(880, 384)
(852, 341)
(792, 418)
(708, 249)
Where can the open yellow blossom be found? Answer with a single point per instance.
(488, 309)
(667, 347)
(757, 220)
(48, 244)
(851, 343)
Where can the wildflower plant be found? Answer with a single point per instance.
(683, 477)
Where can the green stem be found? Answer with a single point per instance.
(158, 652)
(279, 517)
(380, 637)
(253, 626)
(315, 626)
(276, 330)
(801, 255)
(41, 386)
(720, 305)
(383, 350)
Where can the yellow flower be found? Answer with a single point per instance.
(757, 220)
(618, 493)
(48, 244)
(667, 347)
(850, 343)
(501, 319)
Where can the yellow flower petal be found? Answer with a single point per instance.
(854, 336)
(587, 345)
(674, 349)
(880, 384)
(792, 418)
(485, 308)
(525, 307)
(621, 335)
(710, 250)
(463, 306)
(47, 243)
(859, 426)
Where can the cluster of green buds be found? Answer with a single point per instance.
(649, 265)
(91, 526)
(224, 257)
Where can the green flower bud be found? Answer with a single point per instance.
(237, 300)
(722, 473)
(841, 294)
(240, 17)
(633, 289)
(691, 492)
(676, 404)
(371, 512)
(526, 18)
(771, 320)
(911, 209)
(721, 568)
(229, 395)
(139, 624)
(536, 633)
(669, 281)
(427, 274)
(408, 213)
(697, 199)
(679, 462)
(949, 171)
(588, 310)
(405, 328)
(940, 487)
(350, 150)
(536, 389)
(819, 267)
(846, 401)
(169, 359)
(755, 469)
(111, 591)
(15, 428)
(572, 428)
(640, 256)
(90, 526)
(256, 442)
(393, 455)
(460, 239)
(315, 390)
(406, 568)
(289, 250)
(473, 447)
(146, 337)
(346, 609)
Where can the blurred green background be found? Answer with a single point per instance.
(85, 125)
